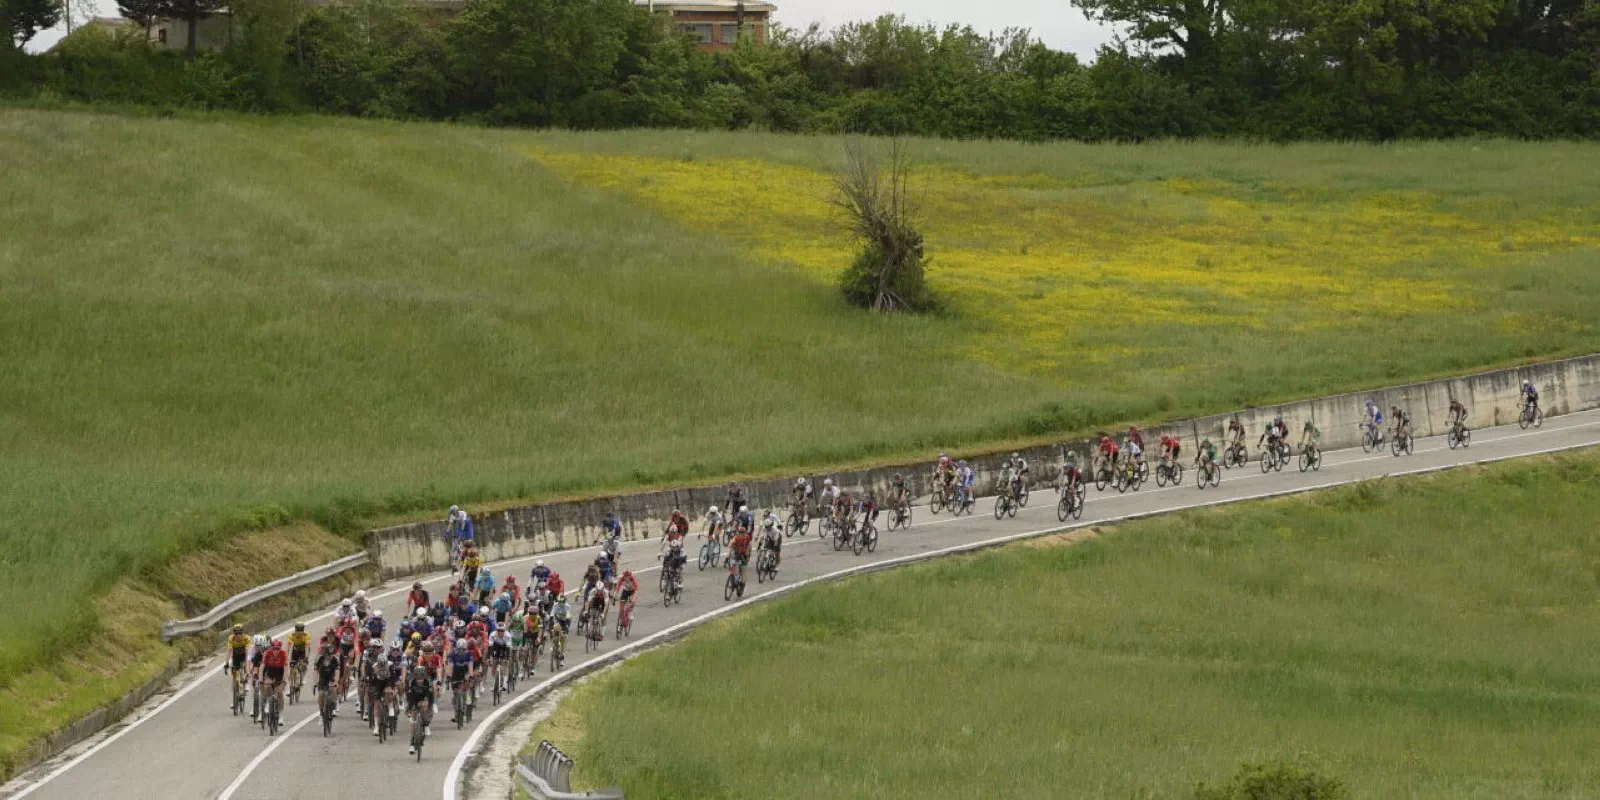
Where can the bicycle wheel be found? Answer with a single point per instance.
(999, 506)
(705, 555)
(1064, 507)
(872, 543)
(1538, 417)
(383, 724)
(858, 542)
(327, 722)
(1466, 437)
(1305, 460)
(1525, 418)
(1266, 460)
(728, 587)
(1022, 499)
(936, 501)
(272, 716)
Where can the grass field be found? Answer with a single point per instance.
(1427, 637)
(223, 324)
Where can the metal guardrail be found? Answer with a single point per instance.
(546, 774)
(174, 628)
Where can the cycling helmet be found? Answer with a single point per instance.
(899, 477)
(743, 509)
(346, 603)
(538, 563)
(799, 481)
(962, 462)
(506, 596)
(427, 647)
(277, 644)
(238, 629)
(461, 643)
(461, 623)
(361, 594)
(417, 585)
(455, 509)
(421, 612)
(260, 640)
(299, 626)
(627, 573)
(416, 637)
(711, 510)
(377, 613)
(827, 481)
(1014, 455)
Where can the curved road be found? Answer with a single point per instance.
(187, 745)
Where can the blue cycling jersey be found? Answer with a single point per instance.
(613, 525)
(461, 657)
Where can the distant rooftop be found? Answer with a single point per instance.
(707, 5)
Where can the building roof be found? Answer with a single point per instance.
(753, 6)
(110, 22)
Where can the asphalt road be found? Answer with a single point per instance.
(188, 745)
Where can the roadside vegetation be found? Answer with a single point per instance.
(1422, 637)
(228, 324)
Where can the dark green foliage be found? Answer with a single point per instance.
(1277, 780)
(1251, 68)
(21, 19)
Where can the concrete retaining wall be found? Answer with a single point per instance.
(1492, 398)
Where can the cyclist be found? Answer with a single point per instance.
(561, 614)
(741, 552)
(843, 506)
(1235, 432)
(830, 493)
(1021, 478)
(627, 587)
(1109, 451)
(299, 644)
(500, 652)
(591, 580)
(503, 606)
(1373, 419)
(471, 562)
(678, 525)
(462, 664)
(1402, 422)
(612, 527)
(419, 694)
(458, 526)
(596, 607)
(1070, 475)
(252, 670)
(1008, 478)
(238, 648)
(417, 598)
(746, 521)
(607, 567)
(713, 521)
(772, 539)
(1134, 448)
(510, 587)
(800, 495)
(1135, 436)
(869, 507)
(1310, 435)
(899, 492)
(671, 553)
(327, 667)
(380, 676)
(1170, 447)
(1530, 395)
(344, 613)
(1274, 433)
(966, 480)
(735, 495)
(375, 626)
(1458, 415)
(556, 587)
(485, 585)
(1208, 452)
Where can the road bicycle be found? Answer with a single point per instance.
(1272, 457)
(964, 502)
(558, 648)
(270, 710)
(900, 516)
(1459, 436)
(1532, 415)
(1169, 471)
(943, 497)
(236, 687)
(1402, 443)
(495, 674)
(711, 550)
(419, 730)
(1371, 436)
(866, 538)
(844, 532)
(1004, 504)
(1071, 503)
(1310, 457)
(326, 704)
(297, 678)
(1104, 473)
(766, 565)
(735, 583)
(1132, 475)
(1235, 455)
(799, 523)
(1206, 472)
(625, 619)
(671, 585)
(596, 631)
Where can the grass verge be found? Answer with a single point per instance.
(1422, 637)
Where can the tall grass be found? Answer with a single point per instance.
(1427, 637)
(211, 326)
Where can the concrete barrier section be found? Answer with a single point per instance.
(1492, 398)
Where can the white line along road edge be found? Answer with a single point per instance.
(452, 778)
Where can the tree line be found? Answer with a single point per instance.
(1265, 69)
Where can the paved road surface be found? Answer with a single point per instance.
(189, 746)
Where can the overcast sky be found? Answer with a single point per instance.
(1054, 21)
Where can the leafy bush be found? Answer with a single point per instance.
(1276, 780)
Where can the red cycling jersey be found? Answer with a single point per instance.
(556, 586)
(431, 663)
(679, 525)
(628, 582)
(741, 543)
(1108, 446)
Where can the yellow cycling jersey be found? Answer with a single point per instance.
(238, 641)
(299, 640)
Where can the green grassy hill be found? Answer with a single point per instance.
(220, 324)
(1427, 637)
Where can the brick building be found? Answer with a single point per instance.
(716, 24)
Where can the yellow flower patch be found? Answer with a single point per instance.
(1058, 273)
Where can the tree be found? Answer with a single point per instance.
(875, 200)
(191, 12)
(20, 20)
(1191, 26)
(143, 12)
